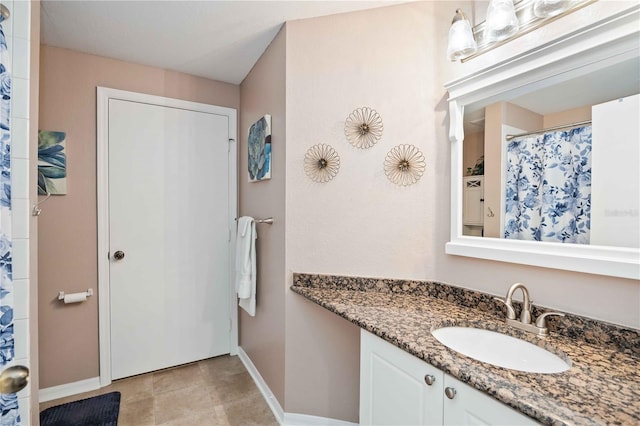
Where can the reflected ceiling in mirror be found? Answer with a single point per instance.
(615, 81)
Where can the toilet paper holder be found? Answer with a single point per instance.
(87, 293)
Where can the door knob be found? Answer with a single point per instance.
(14, 379)
(118, 255)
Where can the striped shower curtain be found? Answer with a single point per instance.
(8, 402)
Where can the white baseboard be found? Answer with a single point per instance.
(268, 396)
(68, 389)
(285, 419)
(292, 419)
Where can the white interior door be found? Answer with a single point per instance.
(168, 215)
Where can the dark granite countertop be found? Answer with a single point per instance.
(601, 387)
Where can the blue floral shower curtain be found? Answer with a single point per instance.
(8, 403)
(548, 188)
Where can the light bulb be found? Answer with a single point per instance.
(461, 41)
(549, 8)
(502, 21)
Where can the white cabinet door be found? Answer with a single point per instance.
(473, 202)
(394, 391)
(469, 406)
(393, 387)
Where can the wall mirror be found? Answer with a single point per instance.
(578, 99)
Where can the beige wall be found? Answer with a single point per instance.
(473, 149)
(262, 337)
(360, 223)
(569, 116)
(493, 118)
(522, 118)
(67, 252)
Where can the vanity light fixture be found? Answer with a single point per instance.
(461, 40)
(502, 21)
(506, 20)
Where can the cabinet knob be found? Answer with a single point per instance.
(450, 392)
(429, 379)
(119, 255)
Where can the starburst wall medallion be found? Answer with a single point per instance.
(363, 128)
(321, 163)
(404, 165)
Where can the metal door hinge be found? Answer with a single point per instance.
(230, 324)
(230, 142)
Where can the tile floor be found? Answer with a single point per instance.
(215, 391)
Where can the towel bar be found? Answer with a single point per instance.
(268, 220)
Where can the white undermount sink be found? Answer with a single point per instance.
(500, 350)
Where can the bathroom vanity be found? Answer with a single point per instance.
(409, 377)
(399, 389)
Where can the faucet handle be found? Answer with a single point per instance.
(541, 322)
(511, 313)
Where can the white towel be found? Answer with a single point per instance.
(246, 264)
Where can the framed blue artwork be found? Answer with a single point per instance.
(260, 149)
(52, 163)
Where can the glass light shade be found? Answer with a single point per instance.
(461, 41)
(502, 21)
(549, 8)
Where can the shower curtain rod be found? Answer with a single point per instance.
(566, 126)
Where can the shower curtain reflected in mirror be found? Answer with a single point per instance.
(8, 402)
(548, 187)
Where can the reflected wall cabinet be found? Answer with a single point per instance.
(473, 205)
(396, 388)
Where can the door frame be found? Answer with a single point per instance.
(102, 159)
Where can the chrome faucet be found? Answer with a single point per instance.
(526, 320)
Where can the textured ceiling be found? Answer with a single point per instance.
(220, 40)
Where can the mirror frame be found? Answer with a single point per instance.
(601, 44)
